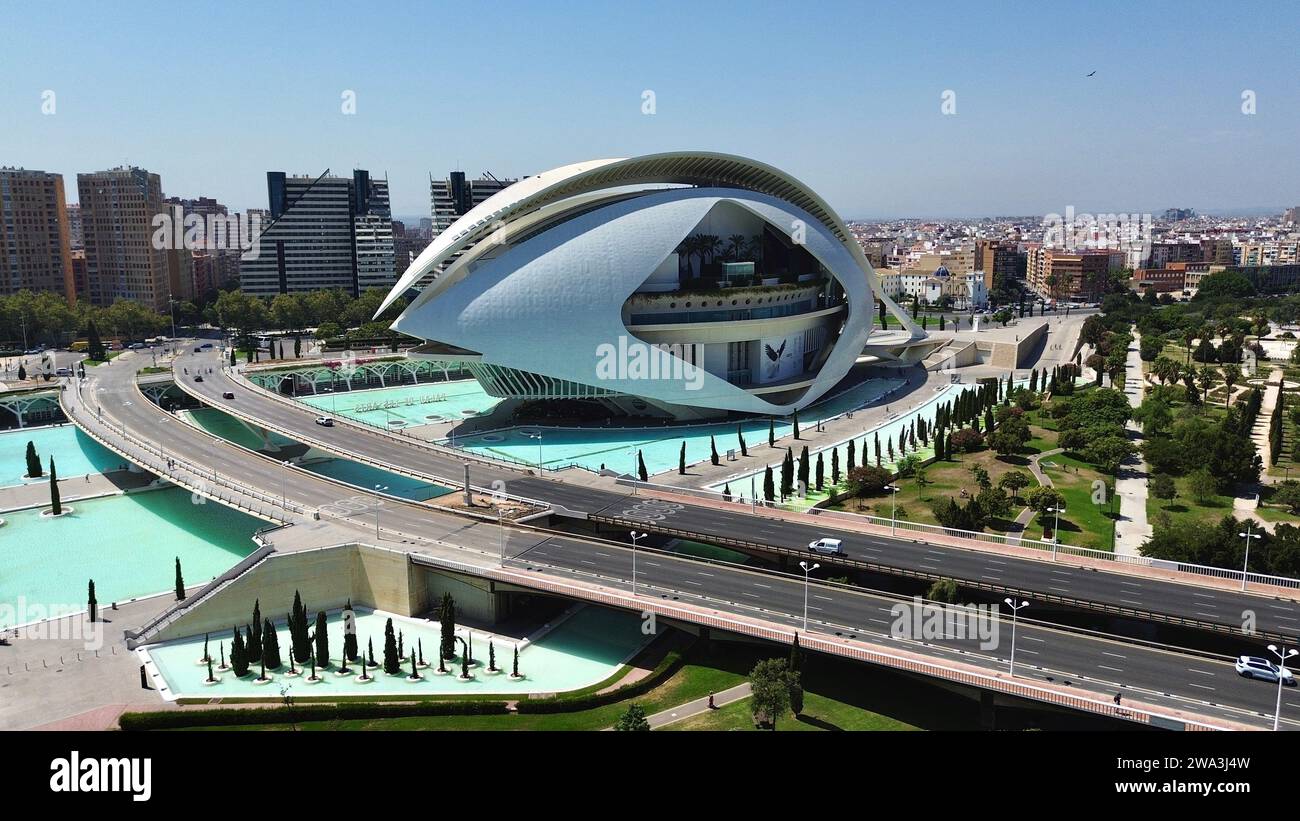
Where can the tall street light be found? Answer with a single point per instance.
(1282, 655)
(635, 537)
(806, 571)
(1248, 535)
(893, 508)
(1056, 527)
(1015, 610)
(378, 504)
(538, 437)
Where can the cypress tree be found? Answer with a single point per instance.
(851, 461)
(726, 492)
(803, 469)
(640, 467)
(492, 657)
(821, 472)
(322, 640)
(447, 616)
(94, 346)
(740, 436)
(255, 642)
(771, 433)
(180, 584)
(769, 491)
(514, 667)
(238, 660)
(392, 663)
(890, 446)
(796, 425)
(349, 633)
(56, 506)
(34, 468)
(370, 645)
(271, 646)
(206, 657)
(419, 647)
(414, 673)
(210, 676)
(681, 460)
(787, 474)
(713, 452)
(796, 655)
(298, 630)
(835, 466)
(91, 604)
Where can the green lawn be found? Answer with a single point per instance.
(819, 713)
(109, 356)
(1085, 523)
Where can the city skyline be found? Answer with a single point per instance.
(1158, 126)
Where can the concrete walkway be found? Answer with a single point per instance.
(1027, 514)
(1132, 530)
(698, 706)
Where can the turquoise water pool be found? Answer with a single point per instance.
(407, 405)
(581, 650)
(127, 544)
(233, 430)
(75, 453)
(616, 448)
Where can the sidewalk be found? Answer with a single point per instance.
(1132, 530)
(699, 706)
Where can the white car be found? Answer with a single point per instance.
(325, 421)
(828, 546)
(1261, 668)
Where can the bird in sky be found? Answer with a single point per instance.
(1092, 72)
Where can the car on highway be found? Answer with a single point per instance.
(63, 372)
(1261, 668)
(325, 421)
(227, 395)
(198, 379)
(831, 547)
(205, 345)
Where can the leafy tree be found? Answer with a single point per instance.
(1108, 452)
(867, 480)
(1010, 436)
(1015, 481)
(943, 591)
(1288, 495)
(632, 720)
(1162, 486)
(769, 683)
(1202, 485)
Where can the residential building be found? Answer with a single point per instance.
(1073, 275)
(35, 251)
(123, 261)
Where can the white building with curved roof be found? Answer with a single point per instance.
(684, 284)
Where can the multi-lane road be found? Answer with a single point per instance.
(1161, 676)
(1211, 607)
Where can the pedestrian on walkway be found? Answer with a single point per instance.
(1117, 699)
(712, 706)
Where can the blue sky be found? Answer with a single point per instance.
(845, 96)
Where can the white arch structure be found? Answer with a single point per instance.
(536, 275)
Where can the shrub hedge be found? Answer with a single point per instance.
(171, 719)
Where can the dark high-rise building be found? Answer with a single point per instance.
(323, 232)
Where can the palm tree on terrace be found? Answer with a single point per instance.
(1206, 379)
(1189, 336)
(736, 247)
(1231, 376)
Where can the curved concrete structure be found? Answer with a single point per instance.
(580, 283)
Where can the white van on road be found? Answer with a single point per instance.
(829, 546)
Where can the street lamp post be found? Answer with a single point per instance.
(635, 537)
(1282, 655)
(893, 508)
(538, 437)
(1248, 535)
(806, 570)
(1015, 610)
(1056, 528)
(378, 503)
